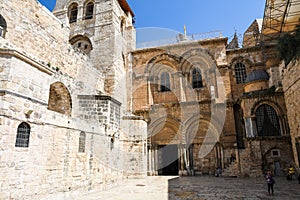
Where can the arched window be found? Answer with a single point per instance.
(122, 26)
(3, 26)
(73, 11)
(240, 73)
(89, 10)
(81, 148)
(23, 134)
(164, 82)
(267, 121)
(197, 78)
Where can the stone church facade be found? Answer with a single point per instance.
(64, 122)
(82, 109)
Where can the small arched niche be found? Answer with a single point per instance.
(82, 42)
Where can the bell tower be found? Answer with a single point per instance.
(102, 29)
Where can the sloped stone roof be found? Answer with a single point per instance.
(257, 75)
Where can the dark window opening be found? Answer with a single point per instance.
(240, 73)
(197, 78)
(89, 11)
(73, 13)
(164, 82)
(85, 46)
(23, 134)
(79, 45)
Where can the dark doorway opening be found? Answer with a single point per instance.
(298, 151)
(169, 160)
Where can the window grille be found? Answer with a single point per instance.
(197, 78)
(267, 121)
(240, 73)
(23, 134)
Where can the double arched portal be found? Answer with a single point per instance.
(184, 147)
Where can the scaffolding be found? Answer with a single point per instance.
(280, 16)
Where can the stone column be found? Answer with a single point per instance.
(181, 155)
(150, 97)
(150, 166)
(155, 163)
(80, 15)
(182, 88)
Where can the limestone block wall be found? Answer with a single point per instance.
(34, 30)
(52, 162)
(291, 90)
(134, 139)
(257, 157)
(103, 110)
(34, 54)
(252, 58)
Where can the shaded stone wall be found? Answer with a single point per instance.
(291, 90)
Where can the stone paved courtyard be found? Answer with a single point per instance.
(189, 188)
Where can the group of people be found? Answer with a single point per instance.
(271, 181)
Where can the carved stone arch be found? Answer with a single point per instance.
(192, 126)
(160, 62)
(70, 2)
(166, 128)
(199, 56)
(247, 62)
(273, 104)
(60, 99)
(81, 42)
(3, 26)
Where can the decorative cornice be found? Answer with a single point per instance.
(17, 54)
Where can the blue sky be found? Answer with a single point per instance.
(198, 15)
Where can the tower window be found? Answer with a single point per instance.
(165, 82)
(240, 73)
(197, 78)
(73, 12)
(89, 10)
(23, 134)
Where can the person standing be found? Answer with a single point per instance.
(270, 182)
(291, 172)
